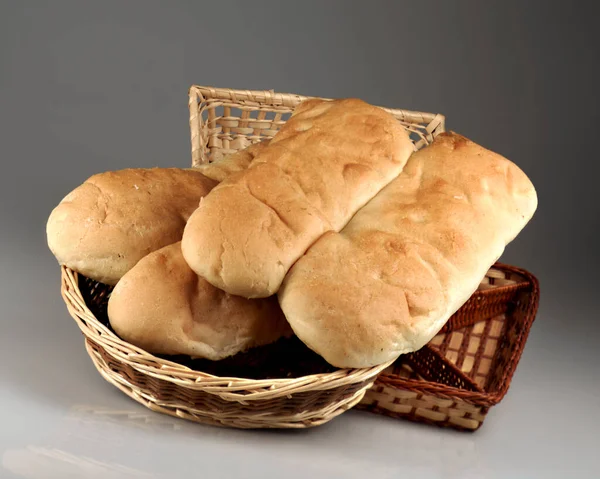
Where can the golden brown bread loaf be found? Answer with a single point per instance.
(106, 225)
(163, 307)
(327, 161)
(387, 283)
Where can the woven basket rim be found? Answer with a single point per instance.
(281, 99)
(98, 333)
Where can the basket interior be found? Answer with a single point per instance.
(472, 349)
(233, 127)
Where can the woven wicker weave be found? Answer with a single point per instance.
(467, 368)
(223, 121)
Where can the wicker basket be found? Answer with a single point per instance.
(173, 388)
(223, 121)
(467, 368)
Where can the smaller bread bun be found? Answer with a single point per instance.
(163, 307)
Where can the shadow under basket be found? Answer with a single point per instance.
(468, 366)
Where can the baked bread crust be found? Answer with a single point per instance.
(389, 281)
(327, 161)
(105, 226)
(163, 307)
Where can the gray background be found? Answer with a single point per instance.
(87, 87)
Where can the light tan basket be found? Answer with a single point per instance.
(172, 388)
(223, 121)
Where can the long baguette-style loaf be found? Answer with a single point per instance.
(327, 161)
(163, 307)
(387, 283)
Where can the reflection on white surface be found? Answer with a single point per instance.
(82, 430)
(102, 442)
(138, 417)
(46, 463)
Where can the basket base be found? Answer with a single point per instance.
(263, 420)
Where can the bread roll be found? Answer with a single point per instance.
(387, 283)
(163, 307)
(327, 161)
(105, 226)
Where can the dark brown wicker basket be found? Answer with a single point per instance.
(468, 366)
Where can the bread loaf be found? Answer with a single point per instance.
(387, 283)
(106, 225)
(163, 307)
(327, 161)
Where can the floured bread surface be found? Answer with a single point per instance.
(388, 282)
(327, 161)
(105, 226)
(163, 307)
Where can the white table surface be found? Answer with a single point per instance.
(60, 419)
